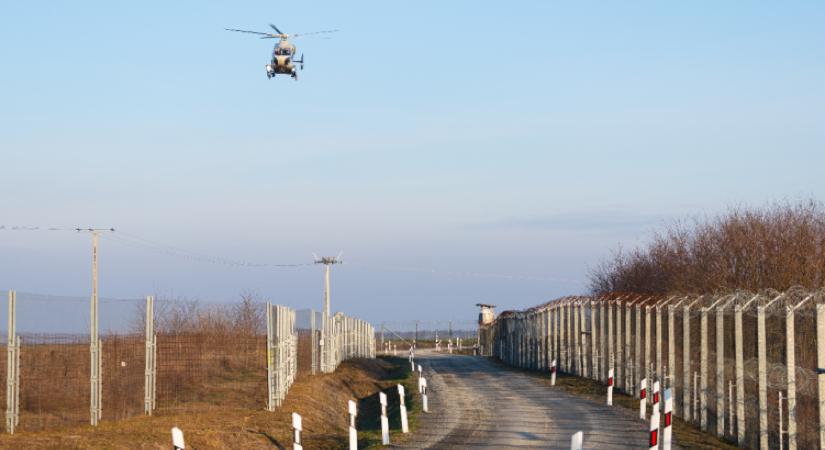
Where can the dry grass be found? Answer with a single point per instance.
(321, 400)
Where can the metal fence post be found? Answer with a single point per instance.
(12, 366)
(150, 369)
(618, 365)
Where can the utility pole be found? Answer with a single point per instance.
(326, 329)
(327, 261)
(415, 341)
(96, 363)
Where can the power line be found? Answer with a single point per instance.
(168, 250)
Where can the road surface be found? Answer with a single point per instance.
(477, 403)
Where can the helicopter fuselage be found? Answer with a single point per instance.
(283, 60)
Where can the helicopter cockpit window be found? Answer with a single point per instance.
(282, 51)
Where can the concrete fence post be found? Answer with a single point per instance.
(619, 362)
(686, 372)
(659, 356)
(703, 368)
(820, 371)
(610, 360)
(584, 336)
(602, 344)
(594, 337)
(577, 355)
(763, 377)
(671, 347)
(637, 364)
(629, 382)
(648, 343)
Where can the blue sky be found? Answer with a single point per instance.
(520, 138)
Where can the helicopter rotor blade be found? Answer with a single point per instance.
(314, 32)
(251, 32)
(276, 28)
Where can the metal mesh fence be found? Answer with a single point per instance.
(726, 356)
(173, 355)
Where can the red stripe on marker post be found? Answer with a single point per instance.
(654, 438)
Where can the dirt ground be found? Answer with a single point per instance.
(321, 400)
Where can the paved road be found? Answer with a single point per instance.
(476, 403)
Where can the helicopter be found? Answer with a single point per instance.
(283, 55)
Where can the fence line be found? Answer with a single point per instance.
(175, 357)
(740, 350)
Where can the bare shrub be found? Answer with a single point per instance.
(778, 246)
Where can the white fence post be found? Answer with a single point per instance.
(654, 431)
(643, 399)
(385, 424)
(424, 404)
(405, 428)
(609, 357)
(668, 431)
(177, 439)
(610, 387)
(353, 433)
(577, 441)
(297, 427)
(553, 373)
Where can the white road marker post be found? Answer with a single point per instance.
(385, 424)
(643, 399)
(420, 373)
(667, 435)
(577, 441)
(177, 439)
(353, 433)
(654, 431)
(655, 398)
(610, 387)
(424, 405)
(405, 428)
(553, 373)
(297, 427)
